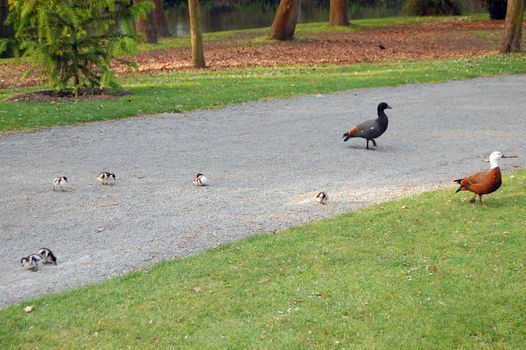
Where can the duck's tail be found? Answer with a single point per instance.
(349, 134)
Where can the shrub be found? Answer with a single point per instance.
(74, 41)
(497, 8)
(431, 7)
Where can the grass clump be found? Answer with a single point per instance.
(430, 272)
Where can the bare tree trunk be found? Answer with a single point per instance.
(513, 27)
(6, 30)
(198, 56)
(146, 26)
(338, 13)
(160, 20)
(285, 20)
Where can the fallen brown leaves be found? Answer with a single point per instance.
(408, 42)
(425, 41)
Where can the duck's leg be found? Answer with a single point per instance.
(374, 142)
(473, 199)
(367, 147)
(480, 198)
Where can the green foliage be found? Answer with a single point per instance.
(74, 41)
(432, 7)
(497, 8)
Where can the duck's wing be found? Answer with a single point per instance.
(362, 129)
(371, 129)
(471, 182)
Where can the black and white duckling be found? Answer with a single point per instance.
(106, 178)
(30, 262)
(322, 197)
(200, 180)
(60, 182)
(47, 256)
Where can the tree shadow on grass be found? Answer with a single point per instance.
(59, 96)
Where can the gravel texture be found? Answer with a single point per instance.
(265, 160)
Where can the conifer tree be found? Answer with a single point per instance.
(74, 41)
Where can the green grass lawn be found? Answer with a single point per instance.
(186, 91)
(428, 272)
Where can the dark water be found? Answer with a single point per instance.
(219, 18)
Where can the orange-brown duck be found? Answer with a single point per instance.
(484, 182)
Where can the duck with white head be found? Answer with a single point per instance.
(484, 182)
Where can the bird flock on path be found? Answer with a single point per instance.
(480, 183)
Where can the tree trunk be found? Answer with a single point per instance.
(6, 31)
(285, 20)
(513, 27)
(117, 25)
(198, 56)
(147, 27)
(338, 13)
(160, 20)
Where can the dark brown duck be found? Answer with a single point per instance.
(370, 129)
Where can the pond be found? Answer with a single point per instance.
(215, 18)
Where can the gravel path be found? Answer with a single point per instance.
(265, 160)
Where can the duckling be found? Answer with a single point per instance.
(60, 182)
(106, 178)
(322, 197)
(200, 180)
(31, 262)
(47, 256)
